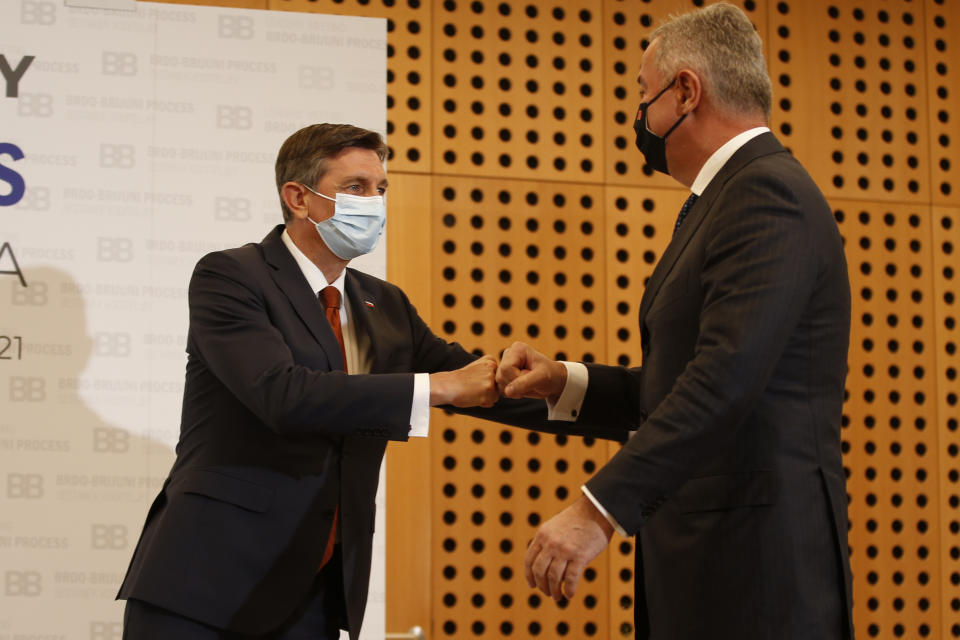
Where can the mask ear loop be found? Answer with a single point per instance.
(317, 193)
(675, 125)
(643, 109)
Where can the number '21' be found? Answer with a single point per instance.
(6, 342)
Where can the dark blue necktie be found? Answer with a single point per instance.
(684, 210)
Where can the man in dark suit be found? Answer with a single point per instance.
(733, 481)
(264, 527)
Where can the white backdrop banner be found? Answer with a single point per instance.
(132, 143)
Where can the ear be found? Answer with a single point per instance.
(292, 194)
(689, 91)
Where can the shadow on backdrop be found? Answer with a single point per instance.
(76, 486)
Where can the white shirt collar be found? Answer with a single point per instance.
(312, 272)
(715, 162)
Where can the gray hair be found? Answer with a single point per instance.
(721, 45)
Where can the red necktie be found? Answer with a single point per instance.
(330, 298)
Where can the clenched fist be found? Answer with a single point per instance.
(471, 386)
(524, 372)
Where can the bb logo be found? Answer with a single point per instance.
(35, 105)
(33, 12)
(108, 536)
(316, 78)
(236, 209)
(111, 345)
(109, 440)
(101, 630)
(117, 156)
(33, 296)
(26, 584)
(114, 249)
(27, 389)
(24, 486)
(240, 27)
(230, 117)
(36, 199)
(119, 63)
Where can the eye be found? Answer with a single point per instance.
(381, 190)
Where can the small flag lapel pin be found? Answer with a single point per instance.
(369, 303)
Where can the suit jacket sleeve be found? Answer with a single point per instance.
(236, 337)
(757, 273)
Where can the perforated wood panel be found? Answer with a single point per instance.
(521, 260)
(862, 104)
(519, 89)
(943, 77)
(639, 226)
(946, 272)
(891, 436)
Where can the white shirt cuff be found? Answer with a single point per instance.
(606, 514)
(568, 404)
(420, 409)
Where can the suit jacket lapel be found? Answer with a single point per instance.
(763, 144)
(369, 319)
(288, 277)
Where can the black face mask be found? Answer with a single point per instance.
(653, 147)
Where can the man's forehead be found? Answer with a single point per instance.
(646, 62)
(356, 154)
(353, 159)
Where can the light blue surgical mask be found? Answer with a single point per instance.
(356, 225)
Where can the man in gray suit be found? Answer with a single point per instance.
(733, 482)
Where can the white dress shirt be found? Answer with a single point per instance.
(357, 344)
(568, 404)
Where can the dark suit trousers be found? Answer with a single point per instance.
(319, 617)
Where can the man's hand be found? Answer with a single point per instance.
(563, 546)
(471, 386)
(524, 372)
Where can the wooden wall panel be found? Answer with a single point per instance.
(518, 90)
(943, 80)
(408, 468)
(520, 260)
(639, 224)
(861, 108)
(512, 260)
(945, 224)
(890, 419)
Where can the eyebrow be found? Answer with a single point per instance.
(362, 178)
